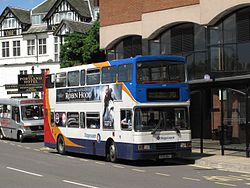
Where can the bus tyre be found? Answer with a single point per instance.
(60, 145)
(111, 156)
(1, 135)
(20, 136)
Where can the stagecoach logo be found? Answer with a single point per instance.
(165, 137)
(89, 135)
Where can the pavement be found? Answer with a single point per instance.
(212, 158)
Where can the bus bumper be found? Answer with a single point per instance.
(162, 151)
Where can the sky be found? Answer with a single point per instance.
(26, 4)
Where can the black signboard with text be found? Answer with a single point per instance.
(28, 83)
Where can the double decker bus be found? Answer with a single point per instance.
(133, 109)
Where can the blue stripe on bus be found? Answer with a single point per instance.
(124, 150)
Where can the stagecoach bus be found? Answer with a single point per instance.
(132, 109)
(21, 118)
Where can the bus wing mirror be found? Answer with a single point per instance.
(53, 78)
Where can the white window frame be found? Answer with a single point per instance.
(31, 47)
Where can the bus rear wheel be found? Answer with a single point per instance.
(60, 145)
(111, 155)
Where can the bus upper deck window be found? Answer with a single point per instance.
(93, 76)
(109, 74)
(125, 73)
(73, 78)
(61, 79)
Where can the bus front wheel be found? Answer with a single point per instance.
(20, 136)
(111, 155)
(1, 135)
(60, 145)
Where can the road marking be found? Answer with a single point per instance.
(70, 157)
(226, 184)
(100, 163)
(161, 174)
(19, 146)
(27, 147)
(192, 179)
(80, 184)
(205, 167)
(5, 142)
(118, 166)
(12, 144)
(223, 178)
(85, 160)
(23, 171)
(36, 150)
(138, 170)
(247, 183)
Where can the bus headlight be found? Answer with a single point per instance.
(26, 127)
(186, 145)
(144, 147)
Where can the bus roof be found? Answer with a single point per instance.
(149, 58)
(20, 101)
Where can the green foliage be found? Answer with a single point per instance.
(82, 48)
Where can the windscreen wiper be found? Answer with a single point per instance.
(157, 127)
(177, 130)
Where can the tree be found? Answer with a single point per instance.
(82, 48)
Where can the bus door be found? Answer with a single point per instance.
(5, 120)
(15, 121)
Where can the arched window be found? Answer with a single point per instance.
(229, 44)
(126, 48)
(186, 39)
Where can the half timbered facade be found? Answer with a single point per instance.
(30, 40)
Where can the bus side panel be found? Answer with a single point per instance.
(91, 147)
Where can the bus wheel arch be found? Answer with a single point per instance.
(111, 151)
(60, 144)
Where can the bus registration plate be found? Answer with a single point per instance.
(165, 156)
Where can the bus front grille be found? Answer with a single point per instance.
(166, 146)
(36, 128)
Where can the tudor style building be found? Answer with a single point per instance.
(213, 35)
(30, 39)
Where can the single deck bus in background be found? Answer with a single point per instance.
(21, 118)
(133, 109)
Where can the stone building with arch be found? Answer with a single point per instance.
(215, 38)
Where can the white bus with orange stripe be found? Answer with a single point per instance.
(132, 109)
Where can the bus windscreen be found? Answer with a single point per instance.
(32, 112)
(151, 72)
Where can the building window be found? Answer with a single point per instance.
(187, 40)
(5, 49)
(31, 47)
(96, 3)
(128, 47)
(23, 72)
(42, 46)
(16, 48)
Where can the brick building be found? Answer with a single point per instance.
(215, 38)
